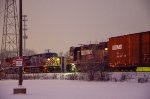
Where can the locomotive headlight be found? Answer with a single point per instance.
(58, 59)
(106, 49)
(73, 67)
(48, 59)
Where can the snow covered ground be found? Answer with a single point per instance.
(75, 89)
(117, 76)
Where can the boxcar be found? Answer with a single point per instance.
(131, 50)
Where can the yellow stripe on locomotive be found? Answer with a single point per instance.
(53, 61)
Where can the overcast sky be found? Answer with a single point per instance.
(60, 24)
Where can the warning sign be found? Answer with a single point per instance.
(19, 62)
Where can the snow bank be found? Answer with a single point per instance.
(109, 76)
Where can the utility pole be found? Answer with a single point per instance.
(20, 89)
(24, 33)
(20, 40)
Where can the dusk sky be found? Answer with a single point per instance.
(60, 24)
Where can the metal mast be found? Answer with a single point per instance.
(24, 33)
(9, 47)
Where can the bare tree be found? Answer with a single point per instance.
(94, 64)
(29, 52)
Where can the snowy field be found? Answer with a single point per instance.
(75, 89)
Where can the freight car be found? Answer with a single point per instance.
(129, 51)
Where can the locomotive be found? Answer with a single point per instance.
(38, 63)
